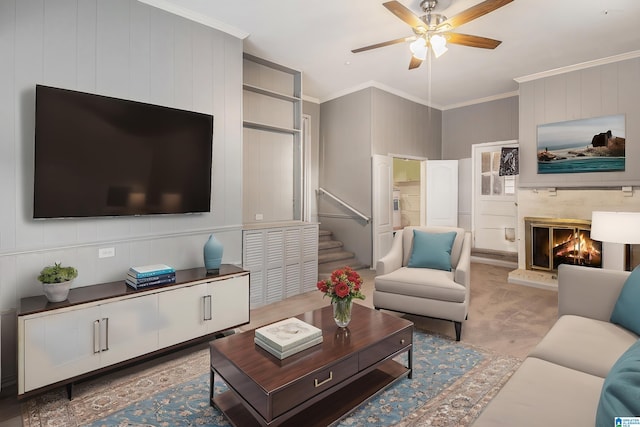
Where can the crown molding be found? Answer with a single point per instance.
(580, 66)
(197, 17)
(310, 99)
(482, 100)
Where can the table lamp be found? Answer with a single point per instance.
(617, 227)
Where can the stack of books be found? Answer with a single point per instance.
(150, 275)
(287, 337)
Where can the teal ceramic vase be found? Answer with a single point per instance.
(212, 254)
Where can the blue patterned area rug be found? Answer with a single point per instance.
(452, 382)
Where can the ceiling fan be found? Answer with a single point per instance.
(432, 30)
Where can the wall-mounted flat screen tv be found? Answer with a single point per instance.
(102, 156)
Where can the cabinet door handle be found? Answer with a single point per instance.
(319, 383)
(96, 337)
(106, 334)
(206, 307)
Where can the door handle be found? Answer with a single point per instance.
(206, 308)
(106, 333)
(96, 337)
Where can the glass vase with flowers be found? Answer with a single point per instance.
(342, 287)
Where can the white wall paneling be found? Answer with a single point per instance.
(125, 49)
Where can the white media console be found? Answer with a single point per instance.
(104, 326)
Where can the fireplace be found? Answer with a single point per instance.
(550, 242)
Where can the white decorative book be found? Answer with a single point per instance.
(287, 334)
(282, 354)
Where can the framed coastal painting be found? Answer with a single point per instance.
(588, 145)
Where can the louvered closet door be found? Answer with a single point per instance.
(309, 258)
(275, 265)
(292, 267)
(253, 261)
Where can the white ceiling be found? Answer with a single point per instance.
(316, 37)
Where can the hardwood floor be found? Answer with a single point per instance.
(509, 319)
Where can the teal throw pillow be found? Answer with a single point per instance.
(626, 313)
(620, 395)
(432, 250)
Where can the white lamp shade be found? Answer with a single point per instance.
(616, 227)
(419, 48)
(438, 44)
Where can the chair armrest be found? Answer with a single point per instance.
(462, 273)
(588, 292)
(393, 259)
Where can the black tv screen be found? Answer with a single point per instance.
(102, 156)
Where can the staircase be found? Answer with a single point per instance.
(331, 255)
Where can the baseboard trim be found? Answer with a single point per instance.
(491, 261)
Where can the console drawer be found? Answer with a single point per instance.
(313, 384)
(384, 348)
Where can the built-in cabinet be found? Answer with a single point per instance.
(103, 325)
(282, 259)
(272, 141)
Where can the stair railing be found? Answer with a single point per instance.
(341, 202)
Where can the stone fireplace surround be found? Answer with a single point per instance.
(576, 203)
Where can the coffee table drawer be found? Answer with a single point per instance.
(385, 348)
(313, 384)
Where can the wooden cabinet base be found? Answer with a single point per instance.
(317, 413)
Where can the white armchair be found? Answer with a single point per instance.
(420, 283)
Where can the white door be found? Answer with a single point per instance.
(442, 193)
(229, 303)
(131, 328)
(494, 211)
(59, 346)
(382, 193)
(176, 326)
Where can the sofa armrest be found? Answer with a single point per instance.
(588, 292)
(393, 259)
(462, 273)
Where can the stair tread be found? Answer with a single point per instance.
(327, 269)
(334, 256)
(329, 244)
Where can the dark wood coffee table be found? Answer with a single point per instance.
(317, 386)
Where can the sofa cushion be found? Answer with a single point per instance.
(620, 396)
(432, 250)
(588, 345)
(456, 250)
(541, 393)
(625, 312)
(423, 283)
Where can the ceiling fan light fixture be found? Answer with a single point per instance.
(419, 48)
(438, 44)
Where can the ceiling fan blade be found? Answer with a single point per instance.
(472, 13)
(472, 41)
(403, 13)
(383, 44)
(415, 62)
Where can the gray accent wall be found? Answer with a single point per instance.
(401, 126)
(345, 169)
(126, 49)
(597, 91)
(353, 128)
(474, 124)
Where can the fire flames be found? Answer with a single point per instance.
(579, 247)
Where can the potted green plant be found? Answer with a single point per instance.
(56, 281)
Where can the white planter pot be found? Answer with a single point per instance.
(57, 292)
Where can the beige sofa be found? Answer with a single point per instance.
(560, 382)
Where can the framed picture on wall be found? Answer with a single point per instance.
(588, 145)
